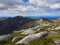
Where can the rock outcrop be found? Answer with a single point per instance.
(5, 37)
(28, 31)
(32, 37)
(15, 38)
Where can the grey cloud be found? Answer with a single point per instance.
(32, 5)
(10, 3)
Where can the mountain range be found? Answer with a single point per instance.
(29, 31)
(10, 24)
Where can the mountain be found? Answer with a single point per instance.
(46, 17)
(31, 33)
(27, 31)
(35, 23)
(10, 24)
(2, 18)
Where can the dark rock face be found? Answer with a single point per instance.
(10, 24)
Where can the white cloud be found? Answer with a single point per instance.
(32, 6)
(5, 4)
(25, 9)
(55, 6)
(46, 3)
(2, 6)
(41, 3)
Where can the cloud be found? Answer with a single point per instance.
(49, 4)
(39, 3)
(2, 6)
(24, 8)
(38, 6)
(55, 6)
(30, 6)
(5, 4)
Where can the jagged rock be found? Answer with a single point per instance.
(28, 31)
(53, 33)
(57, 41)
(5, 37)
(18, 31)
(32, 37)
(15, 38)
(57, 28)
(46, 25)
(37, 27)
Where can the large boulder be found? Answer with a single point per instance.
(56, 28)
(32, 37)
(5, 37)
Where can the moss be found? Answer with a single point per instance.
(18, 34)
(45, 41)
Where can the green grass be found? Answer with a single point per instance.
(18, 34)
(58, 31)
(54, 36)
(45, 41)
(9, 43)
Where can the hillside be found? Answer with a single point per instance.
(3, 18)
(10, 24)
(30, 31)
(36, 23)
(16, 23)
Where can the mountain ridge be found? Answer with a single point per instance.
(10, 24)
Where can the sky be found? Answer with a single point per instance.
(29, 8)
